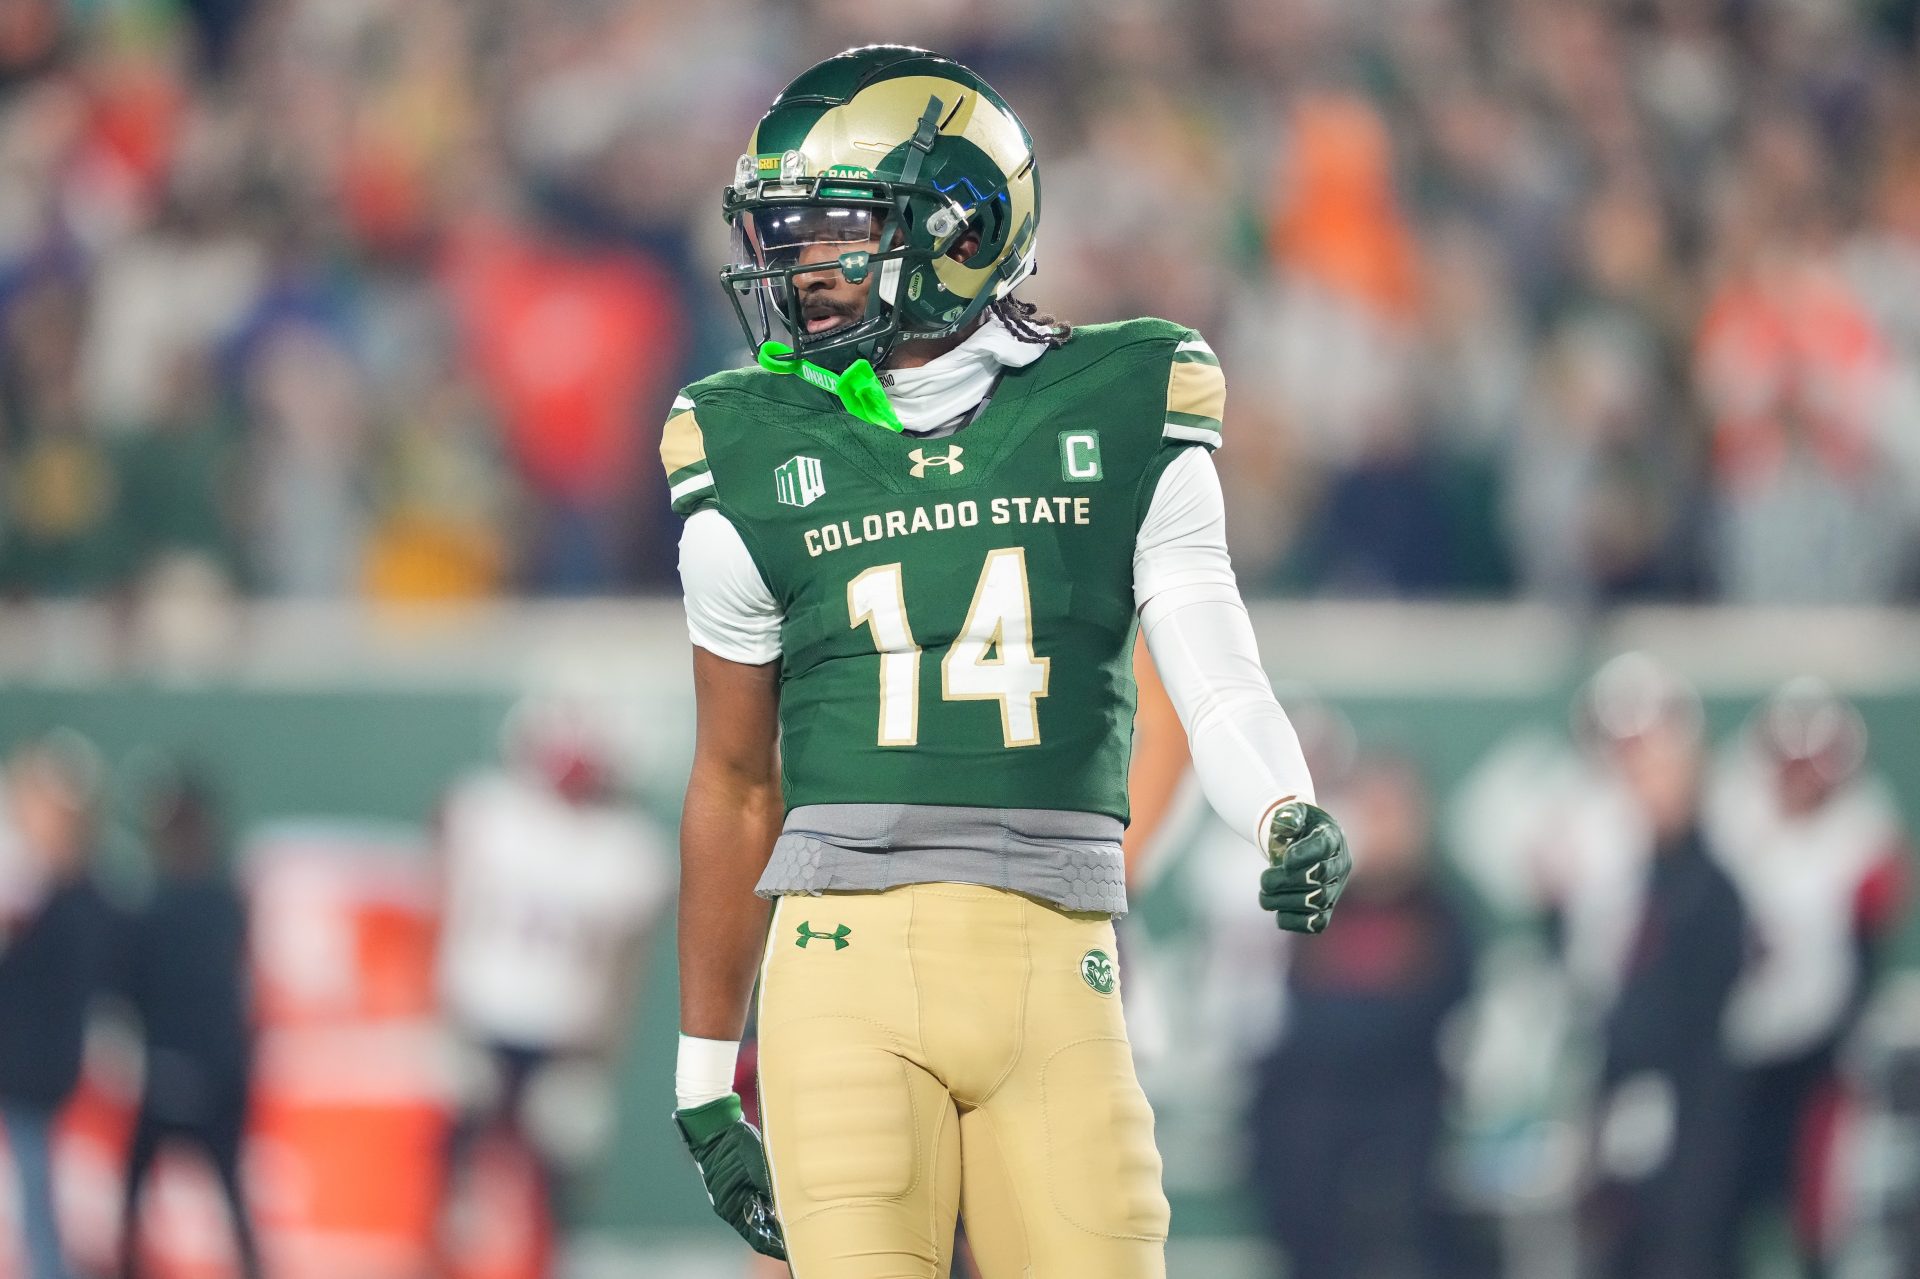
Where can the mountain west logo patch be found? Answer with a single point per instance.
(951, 461)
(798, 481)
(1096, 969)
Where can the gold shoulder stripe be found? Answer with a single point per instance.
(681, 444)
(1197, 390)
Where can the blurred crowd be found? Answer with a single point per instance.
(1633, 1005)
(1582, 300)
(191, 1000)
(176, 960)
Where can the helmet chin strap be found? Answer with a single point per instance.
(919, 147)
(886, 290)
(921, 144)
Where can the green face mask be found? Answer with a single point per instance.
(859, 387)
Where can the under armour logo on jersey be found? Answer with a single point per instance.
(951, 461)
(838, 936)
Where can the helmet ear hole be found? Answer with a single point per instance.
(966, 249)
(988, 228)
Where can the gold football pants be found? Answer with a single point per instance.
(947, 1047)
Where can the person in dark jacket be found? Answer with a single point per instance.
(52, 955)
(1668, 1131)
(185, 977)
(1347, 1114)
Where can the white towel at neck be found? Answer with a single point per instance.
(951, 386)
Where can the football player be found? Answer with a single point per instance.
(919, 538)
(1811, 834)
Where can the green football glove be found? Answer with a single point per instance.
(1308, 866)
(733, 1167)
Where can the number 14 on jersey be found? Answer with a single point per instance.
(991, 659)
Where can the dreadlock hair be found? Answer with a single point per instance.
(1030, 324)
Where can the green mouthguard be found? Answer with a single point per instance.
(859, 387)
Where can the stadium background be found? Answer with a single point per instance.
(335, 336)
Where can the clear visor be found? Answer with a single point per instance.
(780, 236)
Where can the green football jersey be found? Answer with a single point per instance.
(958, 613)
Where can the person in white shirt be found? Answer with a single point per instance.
(550, 885)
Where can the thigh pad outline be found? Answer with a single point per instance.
(1102, 1165)
(848, 1125)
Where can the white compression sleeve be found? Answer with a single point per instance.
(1245, 752)
(730, 611)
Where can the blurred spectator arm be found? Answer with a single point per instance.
(1880, 907)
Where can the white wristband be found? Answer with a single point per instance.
(703, 1072)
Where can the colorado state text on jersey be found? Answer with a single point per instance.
(879, 525)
